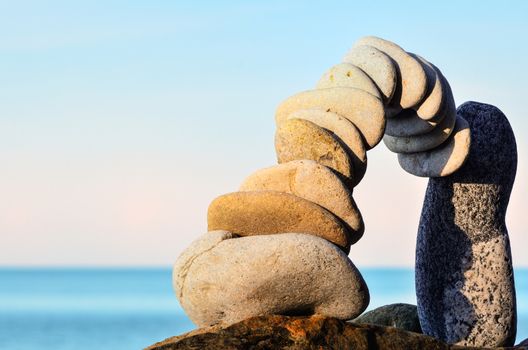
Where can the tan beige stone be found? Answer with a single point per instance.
(443, 160)
(378, 66)
(345, 130)
(312, 181)
(430, 140)
(432, 103)
(301, 139)
(411, 86)
(348, 75)
(221, 279)
(269, 212)
(361, 108)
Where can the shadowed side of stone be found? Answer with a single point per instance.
(402, 316)
(290, 332)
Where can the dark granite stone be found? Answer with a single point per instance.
(464, 276)
(402, 316)
(523, 343)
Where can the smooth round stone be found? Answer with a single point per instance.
(442, 160)
(464, 276)
(348, 75)
(425, 142)
(402, 316)
(312, 181)
(345, 130)
(270, 212)
(434, 97)
(408, 123)
(411, 86)
(377, 65)
(221, 279)
(301, 139)
(361, 108)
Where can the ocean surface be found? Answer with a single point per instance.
(133, 308)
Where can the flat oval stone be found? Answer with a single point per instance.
(402, 316)
(408, 123)
(220, 279)
(411, 86)
(464, 276)
(312, 181)
(345, 130)
(301, 139)
(434, 97)
(348, 75)
(270, 212)
(361, 108)
(378, 66)
(425, 142)
(442, 160)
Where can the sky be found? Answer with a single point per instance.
(120, 121)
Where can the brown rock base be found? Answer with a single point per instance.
(296, 332)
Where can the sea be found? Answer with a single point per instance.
(103, 308)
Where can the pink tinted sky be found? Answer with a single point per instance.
(120, 122)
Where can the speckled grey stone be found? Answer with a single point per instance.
(464, 276)
(402, 316)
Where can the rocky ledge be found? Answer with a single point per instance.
(300, 332)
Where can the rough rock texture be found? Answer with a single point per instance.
(224, 279)
(523, 343)
(464, 276)
(345, 131)
(402, 316)
(302, 333)
(312, 181)
(301, 139)
(268, 212)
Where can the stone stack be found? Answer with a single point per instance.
(279, 245)
(422, 124)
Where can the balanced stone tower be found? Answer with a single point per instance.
(279, 245)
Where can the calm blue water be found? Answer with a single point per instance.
(130, 308)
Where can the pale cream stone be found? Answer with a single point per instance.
(348, 75)
(221, 279)
(312, 181)
(411, 85)
(270, 212)
(361, 108)
(443, 160)
(345, 130)
(378, 66)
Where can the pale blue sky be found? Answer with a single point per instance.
(121, 120)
